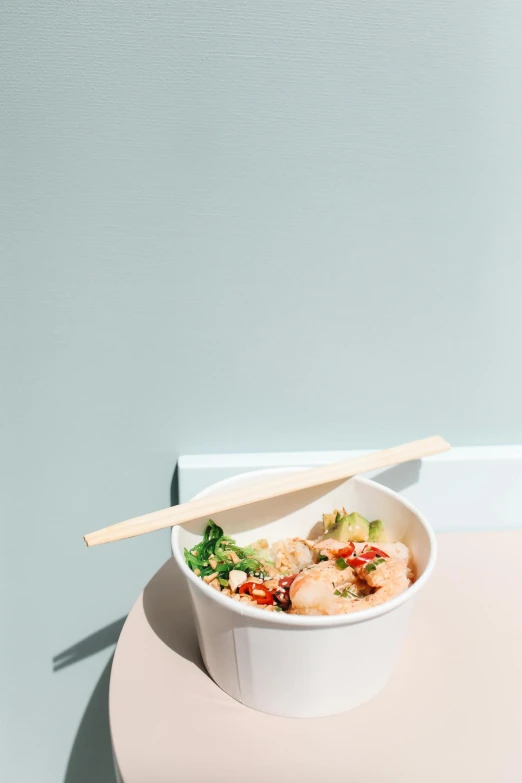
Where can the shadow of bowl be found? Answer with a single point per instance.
(91, 756)
(168, 608)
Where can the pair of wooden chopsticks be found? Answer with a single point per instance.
(282, 485)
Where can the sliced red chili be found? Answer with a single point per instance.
(378, 552)
(258, 592)
(366, 557)
(347, 551)
(354, 562)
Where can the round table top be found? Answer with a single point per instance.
(451, 712)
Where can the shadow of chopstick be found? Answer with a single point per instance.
(91, 645)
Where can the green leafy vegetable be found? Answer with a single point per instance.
(341, 563)
(321, 558)
(215, 546)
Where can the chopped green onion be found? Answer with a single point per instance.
(341, 563)
(346, 593)
(373, 565)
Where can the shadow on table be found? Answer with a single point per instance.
(92, 644)
(167, 604)
(91, 758)
(168, 609)
(91, 755)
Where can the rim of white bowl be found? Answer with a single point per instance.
(309, 621)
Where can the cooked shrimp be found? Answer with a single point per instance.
(329, 547)
(401, 552)
(389, 572)
(313, 590)
(398, 550)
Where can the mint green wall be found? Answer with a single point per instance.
(231, 226)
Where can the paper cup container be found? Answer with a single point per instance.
(281, 664)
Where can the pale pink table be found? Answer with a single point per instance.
(452, 712)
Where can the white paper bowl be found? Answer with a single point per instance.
(281, 664)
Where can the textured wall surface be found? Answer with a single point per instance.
(230, 226)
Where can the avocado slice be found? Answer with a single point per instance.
(351, 527)
(376, 531)
(328, 521)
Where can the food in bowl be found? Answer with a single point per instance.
(350, 567)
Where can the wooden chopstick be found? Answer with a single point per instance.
(283, 485)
